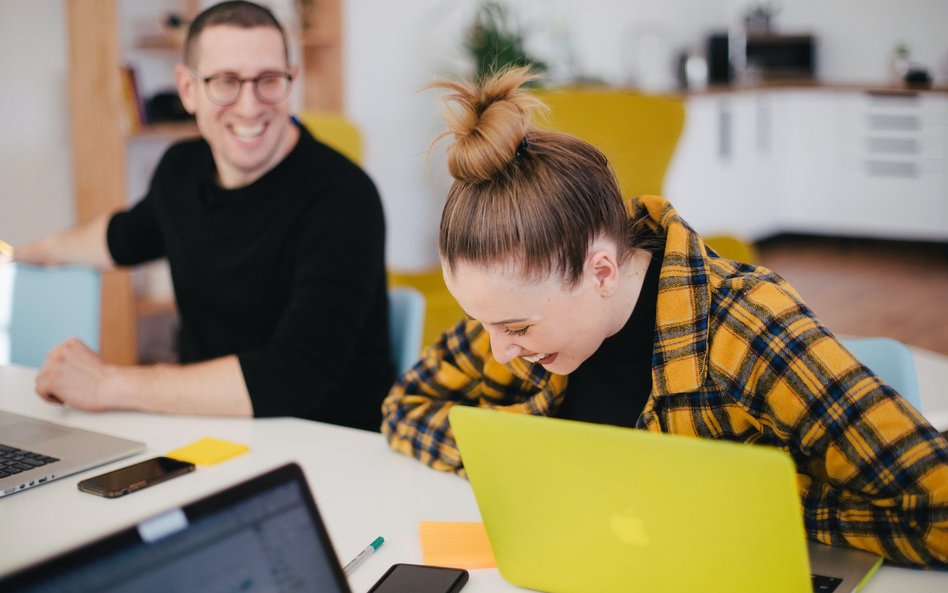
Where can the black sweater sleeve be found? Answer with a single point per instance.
(133, 235)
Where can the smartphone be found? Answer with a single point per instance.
(415, 578)
(135, 477)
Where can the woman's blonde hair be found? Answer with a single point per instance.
(538, 198)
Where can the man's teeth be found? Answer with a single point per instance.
(247, 131)
(535, 358)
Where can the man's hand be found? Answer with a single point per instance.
(6, 252)
(31, 253)
(73, 375)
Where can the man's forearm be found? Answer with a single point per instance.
(84, 244)
(214, 387)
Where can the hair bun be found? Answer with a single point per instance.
(488, 120)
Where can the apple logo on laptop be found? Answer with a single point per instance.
(628, 527)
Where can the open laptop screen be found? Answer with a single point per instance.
(262, 535)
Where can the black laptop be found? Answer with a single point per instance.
(264, 534)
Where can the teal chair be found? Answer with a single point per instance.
(891, 360)
(40, 307)
(406, 322)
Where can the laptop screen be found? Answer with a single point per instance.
(262, 535)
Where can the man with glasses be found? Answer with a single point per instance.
(276, 248)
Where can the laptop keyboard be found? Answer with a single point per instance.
(14, 461)
(823, 584)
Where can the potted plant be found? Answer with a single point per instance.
(495, 43)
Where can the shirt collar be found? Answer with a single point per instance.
(679, 358)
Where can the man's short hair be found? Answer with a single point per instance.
(234, 13)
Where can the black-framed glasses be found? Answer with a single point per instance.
(224, 89)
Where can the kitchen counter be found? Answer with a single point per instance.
(798, 84)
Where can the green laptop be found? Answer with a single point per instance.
(573, 507)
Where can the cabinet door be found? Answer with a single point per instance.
(809, 132)
(720, 178)
(698, 176)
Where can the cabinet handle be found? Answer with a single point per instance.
(763, 126)
(724, 132)
(906, 123)
(891, 169)
(893, 145)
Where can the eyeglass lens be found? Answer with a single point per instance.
(268, 88)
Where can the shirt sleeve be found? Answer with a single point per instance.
(459, 369)
(873, 473)
(134, 236)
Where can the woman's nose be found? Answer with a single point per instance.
(503, 348)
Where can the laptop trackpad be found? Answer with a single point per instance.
(29, 433)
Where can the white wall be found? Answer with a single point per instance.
(35, 163)
(393, 48)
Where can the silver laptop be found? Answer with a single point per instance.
(264, 534)
(34, 452)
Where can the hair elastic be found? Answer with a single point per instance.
(522, 147)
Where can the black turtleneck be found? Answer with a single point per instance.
(612, 385)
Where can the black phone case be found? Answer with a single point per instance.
(89, 485)
(456, 586)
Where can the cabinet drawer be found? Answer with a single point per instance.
(908, 206)
(862, 146)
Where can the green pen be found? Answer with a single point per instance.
(358, 560)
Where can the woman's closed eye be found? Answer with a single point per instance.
(516, 332)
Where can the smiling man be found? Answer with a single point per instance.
(276, 248)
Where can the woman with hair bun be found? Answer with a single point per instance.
(585, 306)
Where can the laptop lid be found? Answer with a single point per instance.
(572, 507)
(264, 534)
(54, 451)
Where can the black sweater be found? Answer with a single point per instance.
(288, 273)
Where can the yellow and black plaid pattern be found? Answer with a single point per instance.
(737, 356)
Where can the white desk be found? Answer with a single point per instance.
(363, 488)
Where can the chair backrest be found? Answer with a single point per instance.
(732, 247)
(41, 307)
(441, 310)
(335, 131)
(638, 133)
(891, 360)
(406, 321)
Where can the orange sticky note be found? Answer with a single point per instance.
(457, 545)
(208, 451)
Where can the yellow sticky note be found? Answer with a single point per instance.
(458, 545)
(208, 451)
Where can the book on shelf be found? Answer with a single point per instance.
(133, 108)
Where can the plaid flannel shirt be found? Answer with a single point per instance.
(739, 357)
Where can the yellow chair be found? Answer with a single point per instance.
(732, 247)
(637, 133)
(441, 310)
(336, 131)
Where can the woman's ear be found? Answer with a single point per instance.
(603, 267)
